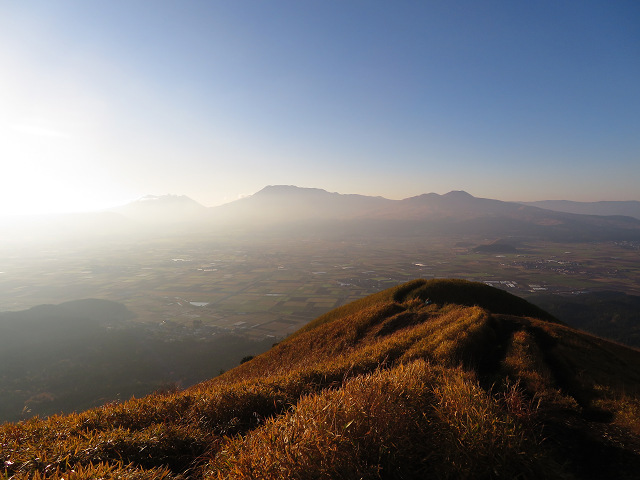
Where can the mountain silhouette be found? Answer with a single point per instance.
(287, 203)
(291, 210)
(454, 212)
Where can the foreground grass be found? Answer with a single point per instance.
(392, 386)
(411, 421)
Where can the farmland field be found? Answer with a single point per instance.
(270, 287)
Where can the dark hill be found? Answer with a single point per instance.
(609, 314)
(53, 324)
(498, 246)
(431, 379)
(84, 353)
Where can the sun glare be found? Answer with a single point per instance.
(47, 173)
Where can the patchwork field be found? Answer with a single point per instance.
(269, 288)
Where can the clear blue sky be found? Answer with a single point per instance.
(105, 101)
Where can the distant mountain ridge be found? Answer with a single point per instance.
(299, 209)
(286, 203)
(453, 212)
(287, 209)
(629, 208)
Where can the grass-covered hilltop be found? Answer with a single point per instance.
(431, 379)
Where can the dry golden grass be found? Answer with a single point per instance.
(387, 387)
(377, 425)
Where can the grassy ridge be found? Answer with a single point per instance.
(387, 387)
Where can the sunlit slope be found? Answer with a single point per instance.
(431, 379)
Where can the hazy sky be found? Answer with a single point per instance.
(105, 101)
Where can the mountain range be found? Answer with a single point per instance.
(291, 210)
(429, 379)
(457, 212)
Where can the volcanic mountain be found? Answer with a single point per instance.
(288, 203)
(430, 379)
(291, 210)
(455, 212)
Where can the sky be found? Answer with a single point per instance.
(103, 102)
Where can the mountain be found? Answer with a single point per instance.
(318, 211)
(625, 208)
(461, 212)
(163, 209)
(291, 210)
(277, 204)
(430, 379)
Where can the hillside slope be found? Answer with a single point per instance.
(431, 379)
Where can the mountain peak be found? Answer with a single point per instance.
(287, 189)
(458, 194)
